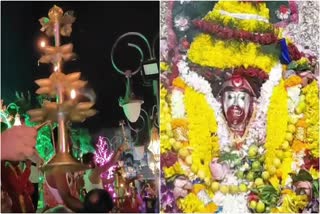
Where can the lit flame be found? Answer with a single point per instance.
(42, 44)
(55, 68)
(73, 94)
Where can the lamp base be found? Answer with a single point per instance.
(64, 162)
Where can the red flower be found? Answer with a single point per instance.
(256, 38)
(283, 9)
(185, 44)
(251, 72)
(168, 159)
(246, 35)
(267, 38)
(310, 161)
(252, 197)
(228, 33)
(294, 52)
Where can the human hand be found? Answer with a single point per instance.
(18, 143)
(123, 147)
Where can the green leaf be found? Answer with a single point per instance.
(228, 157)
(293, 65)
(303, 175)
(272, 50)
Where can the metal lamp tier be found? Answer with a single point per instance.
(60, 85)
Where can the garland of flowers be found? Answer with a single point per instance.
(206, 51)
(200, 85)
(165, 118)
(311, 93)
(250, 25)
(224, 33)
(202, 131)
(277, 119)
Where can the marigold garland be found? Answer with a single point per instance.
(311, 92)
(206, 51)
(165, 122)
(277, 119)
(202, 132)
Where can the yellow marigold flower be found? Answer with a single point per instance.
(311, 92)
(314, 173)
(277, 119)
(164, 66)
(173, 170)
(209, 52)
(274, 181)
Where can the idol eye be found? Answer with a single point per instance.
(229, 97)
(242, 98)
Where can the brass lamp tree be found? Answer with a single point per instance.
(63, 87)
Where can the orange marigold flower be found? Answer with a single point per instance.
(292, 81)
(301, 123)
(179, 83)
(298, 145)
(175, 123)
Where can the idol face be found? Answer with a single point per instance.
(236, 105)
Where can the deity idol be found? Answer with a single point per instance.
(239, 117)
(237, 98)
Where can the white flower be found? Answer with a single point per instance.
(182, 23)
(260, 150)
(218, 198)
(231, 179)
(235, 204)
(294, 95)
(178, 110)
(246, 166)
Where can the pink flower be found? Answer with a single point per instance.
(182, 187)
(218, 171)
(306, 186)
